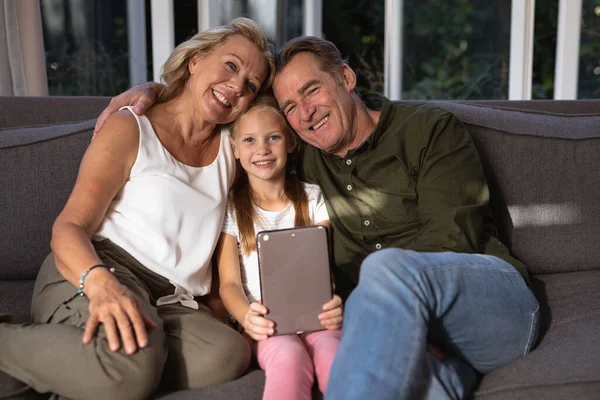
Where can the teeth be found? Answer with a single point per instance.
(221, 98)
(321, 122)
(261, 163)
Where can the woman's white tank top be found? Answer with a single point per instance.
(169, 215)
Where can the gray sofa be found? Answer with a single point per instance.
(541, 160)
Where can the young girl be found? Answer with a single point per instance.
(269, 197)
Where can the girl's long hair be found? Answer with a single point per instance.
(241, 193)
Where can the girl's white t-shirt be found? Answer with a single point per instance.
(270, 220)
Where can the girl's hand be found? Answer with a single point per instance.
(255, 324)
(332, 317)
(117, 308)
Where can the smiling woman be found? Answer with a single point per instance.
(218, 45)
(131, 268)
(227, 79)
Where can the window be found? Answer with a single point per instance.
(86, 46)
(450, 49)
(281, 20)
(544, 49)
(356, 27)
(589, 62)
(456, 49)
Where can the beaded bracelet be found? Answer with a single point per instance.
(80, 289)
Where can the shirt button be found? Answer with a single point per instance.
(349, 187)
(348, 162)
(367, 222)
(378, 246)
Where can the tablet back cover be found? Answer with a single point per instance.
(295, 277)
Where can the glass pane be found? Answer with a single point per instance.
(456, 49)
(86, 46)
(589, 62)
(544, 49)
(281, 20)
(185, 13)
(453, 49)
(357, 29)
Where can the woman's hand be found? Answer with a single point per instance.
(255, 324)
(141, 97)
(117, 308)
(332, 317)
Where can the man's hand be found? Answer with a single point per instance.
(117, 308)
(332, 317)
(141, 97)
(255, 324)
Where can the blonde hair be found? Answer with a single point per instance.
(176, 72)
(241, 192)
(264, 101)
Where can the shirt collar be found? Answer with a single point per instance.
(376, 102)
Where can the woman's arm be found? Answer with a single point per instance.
(104, 169)
(250, 316)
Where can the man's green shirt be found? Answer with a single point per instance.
(416, 183)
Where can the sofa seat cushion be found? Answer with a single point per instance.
(18, 390)
(566, 362)
(248, 387)
(15, 299)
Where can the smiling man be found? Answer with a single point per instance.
(408, 202)
(416, 250)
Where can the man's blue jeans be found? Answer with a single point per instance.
(476, 308)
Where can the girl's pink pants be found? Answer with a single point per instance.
(291, 362)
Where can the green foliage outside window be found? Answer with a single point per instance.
(458, 49)
(453, 49)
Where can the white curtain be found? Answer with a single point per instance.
(22, 59)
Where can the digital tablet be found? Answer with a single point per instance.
(295, 279)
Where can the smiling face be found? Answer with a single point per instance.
(224, 82)
(319, 107)
(262, 141)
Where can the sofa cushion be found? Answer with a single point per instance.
(15, 298)
(248, 387)
(12, 389)
(544, 180)
(565, 363)
(39, 167)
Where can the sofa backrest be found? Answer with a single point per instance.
(541, 166)
(543, 170)
(16, 112)
(39, 166)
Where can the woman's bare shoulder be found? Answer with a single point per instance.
(119, 130)
(122, 121)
